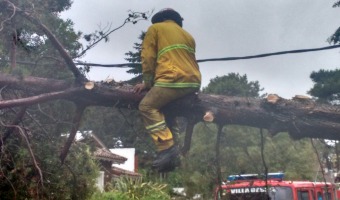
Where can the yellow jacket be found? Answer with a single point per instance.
(168, 57)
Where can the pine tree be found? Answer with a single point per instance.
(134, 57)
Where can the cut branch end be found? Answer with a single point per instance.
(209, 116)
(89, 85)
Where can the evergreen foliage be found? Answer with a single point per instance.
(326, 90)
(134, 57)
(241, 147)
(336, 4)
(326, 85)
(233, 84)
(241, 154)
(29, 162)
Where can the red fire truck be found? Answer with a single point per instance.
(273, 187)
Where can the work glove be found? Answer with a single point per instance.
(140, 87)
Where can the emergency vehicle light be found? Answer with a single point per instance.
(278, 175)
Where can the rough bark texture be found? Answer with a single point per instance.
(300, 117)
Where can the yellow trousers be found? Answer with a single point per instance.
(154, 119)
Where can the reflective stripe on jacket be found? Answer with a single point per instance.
(168, 57)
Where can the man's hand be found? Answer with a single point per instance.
(140, 87)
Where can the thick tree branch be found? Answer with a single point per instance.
(218, 155)
(188, 136)
(78, 75)
(38, 99)
(73, 132)
(13, 53)
(15, 122)
(33, 84)
(300, 117)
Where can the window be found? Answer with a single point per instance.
(303, 195)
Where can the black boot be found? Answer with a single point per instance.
(166, 160)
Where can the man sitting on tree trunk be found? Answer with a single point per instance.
(170, 71)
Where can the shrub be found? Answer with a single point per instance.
(134, 189)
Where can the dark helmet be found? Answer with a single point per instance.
(167, 14)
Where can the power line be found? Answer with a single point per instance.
(269, 54)
(222, 59)
(124, 65)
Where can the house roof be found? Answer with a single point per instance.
(118, 171)
(102, 152)
(105, 154)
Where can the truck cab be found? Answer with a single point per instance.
(273, 187)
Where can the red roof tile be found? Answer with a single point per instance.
(105, 154)
(118, 171)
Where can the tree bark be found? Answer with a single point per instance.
(300, 117)
(74, 129)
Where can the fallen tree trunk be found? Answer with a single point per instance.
(300, 117)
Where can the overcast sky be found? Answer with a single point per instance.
(225, 28)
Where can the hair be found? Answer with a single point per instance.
(167, 14)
